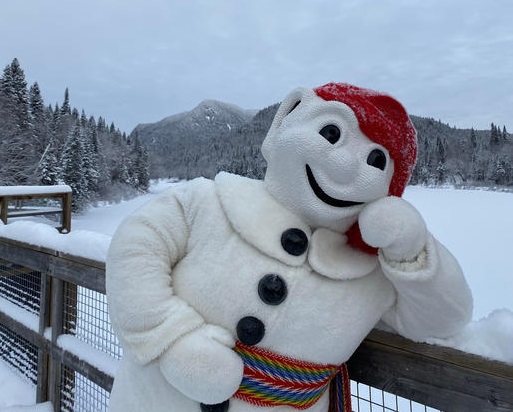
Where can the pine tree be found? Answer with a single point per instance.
(140, 173)
(83, 120)
(89, 162)
(16, 146)
(441, 159)
(73, 170)
(66, 108)
(14, 85)
(101, 125)
(36, 103)
(49, 168)
(494, 136)
(39, 120)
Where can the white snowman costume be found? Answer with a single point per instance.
(272, 264)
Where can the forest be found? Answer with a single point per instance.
(446, 156)
(44, 145)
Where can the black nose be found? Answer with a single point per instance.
(218, 407)
(250, 330)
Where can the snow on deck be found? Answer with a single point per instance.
(33, 190)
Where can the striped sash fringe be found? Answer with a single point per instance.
(273, 380)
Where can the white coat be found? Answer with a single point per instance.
(195, 256)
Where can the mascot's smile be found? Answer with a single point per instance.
(322, 195)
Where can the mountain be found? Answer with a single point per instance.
(217, 136)
(173, 139)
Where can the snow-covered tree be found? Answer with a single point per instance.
(140, 173)
(16, 145)
(66, 108)
(49, 144)
(39, 116)
(49, 168)
(73, 168)
(89, 161)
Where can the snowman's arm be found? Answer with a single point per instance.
(145, 313)
(433, 298)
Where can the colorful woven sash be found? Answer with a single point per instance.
(272, 380)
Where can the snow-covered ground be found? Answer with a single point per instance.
(475, 225)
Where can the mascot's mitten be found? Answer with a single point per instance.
(394, 226)
(203, 366)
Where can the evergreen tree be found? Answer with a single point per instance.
(73, 169)
(66, 108)
(16, 145)
(74, 115)
(101, 125)
(140, 172)
(14, 86)
(49, 168)
(56, 118)
(40, 122)
(473, 144)
(83, 120)
(495, 137)
(36, 103)
(89, 162)
(93, 158)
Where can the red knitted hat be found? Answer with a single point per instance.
(385, 121)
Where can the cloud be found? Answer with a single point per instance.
(140, 61)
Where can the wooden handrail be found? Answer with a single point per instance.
(16, 193)
(437, 376)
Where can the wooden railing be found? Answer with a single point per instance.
(435, 376)
(18, 194)
(59, 277)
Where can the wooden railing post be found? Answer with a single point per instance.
(3, 209)
(57, 306)
(43, 361)
(66, 213)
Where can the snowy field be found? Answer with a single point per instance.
(475, 225)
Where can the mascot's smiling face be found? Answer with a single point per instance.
(320, 165)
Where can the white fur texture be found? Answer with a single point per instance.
(185, 269)
(187, 261)
(394, 226)
(203, 366)
(341, 169)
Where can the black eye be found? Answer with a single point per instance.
(377, 159)
(331, 133)
(293, 107)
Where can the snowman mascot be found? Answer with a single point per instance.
(243, 295)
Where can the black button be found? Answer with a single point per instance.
(250, 330)
(272, 289)
(294, 241)
(218, 407)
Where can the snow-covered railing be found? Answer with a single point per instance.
(76, 351)
(54, 304)
(18, 194)
(440, 377)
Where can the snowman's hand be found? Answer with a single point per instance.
(394, 226)
(203, 366)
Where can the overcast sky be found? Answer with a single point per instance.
(138, 61)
